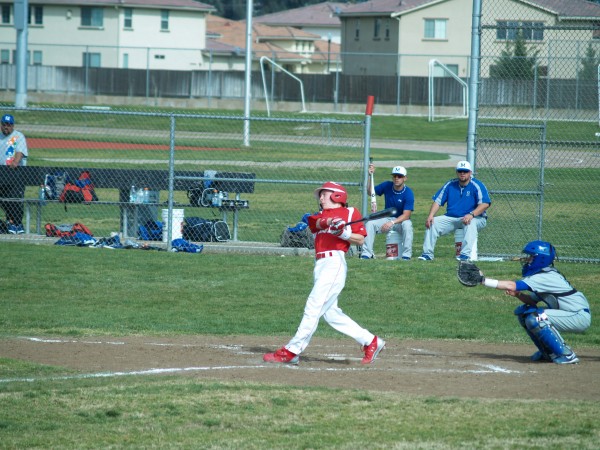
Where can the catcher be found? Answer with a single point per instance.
(563, 308)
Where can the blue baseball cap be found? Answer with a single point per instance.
(7, 118)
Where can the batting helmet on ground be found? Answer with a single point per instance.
(339, 193)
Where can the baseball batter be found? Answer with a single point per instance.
(332, 240)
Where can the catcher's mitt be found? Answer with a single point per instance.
(469, 274)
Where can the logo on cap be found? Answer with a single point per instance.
(7, 118)
(463, 166)
(399, 170)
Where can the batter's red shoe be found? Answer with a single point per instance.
(372, 350)
(283, 355)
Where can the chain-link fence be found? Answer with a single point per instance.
(537, 132)
(256, 175)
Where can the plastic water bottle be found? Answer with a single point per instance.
(42, 194)
(146, 198)
(132, 194)
(139, 196)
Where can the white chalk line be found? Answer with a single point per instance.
(65, 341)
(485, 368)
(238, 349)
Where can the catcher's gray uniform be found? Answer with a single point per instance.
(566, 308)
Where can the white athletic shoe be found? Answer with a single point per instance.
(566, 359)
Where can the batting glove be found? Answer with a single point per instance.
(337, 226)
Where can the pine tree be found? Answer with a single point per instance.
(589, 65)
(514, 61)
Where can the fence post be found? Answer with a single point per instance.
(171, 180)
(474, 82)
(147, 74)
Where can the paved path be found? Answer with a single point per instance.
(456, 151)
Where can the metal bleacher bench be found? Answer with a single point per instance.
(122, 179)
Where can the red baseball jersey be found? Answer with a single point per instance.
(325, 241)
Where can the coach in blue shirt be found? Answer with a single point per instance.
(467, 200)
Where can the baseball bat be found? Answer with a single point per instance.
(373, 196)
(376, 215)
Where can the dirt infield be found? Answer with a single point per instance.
(423, 368)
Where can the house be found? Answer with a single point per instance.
(401, 37)
(295, 50)
(137, 34)
(321, 18)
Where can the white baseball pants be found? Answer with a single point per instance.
(373, 227)
(443, 225)
(329, 280)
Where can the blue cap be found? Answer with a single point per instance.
(7, 118)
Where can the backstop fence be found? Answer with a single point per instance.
(539, 153)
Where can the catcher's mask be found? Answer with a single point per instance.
(339, 194)
(538, 255)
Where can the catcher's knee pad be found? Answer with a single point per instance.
(523, 311)
(541, 330)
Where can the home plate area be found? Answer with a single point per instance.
(430, 368)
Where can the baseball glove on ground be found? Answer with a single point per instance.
(469, 274)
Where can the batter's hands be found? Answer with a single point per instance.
(337, 226)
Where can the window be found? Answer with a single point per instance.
(4, 56)
(164, 20)
(159, 56)
(92, 17)
(357, 30)
(91, 59)
(36, 15)
(435, 28)
(387, 29)
(5, 14)
(125, 60)
(128, 18)
(440, 72)
(377, 29)
(37, 58)
(508, 30)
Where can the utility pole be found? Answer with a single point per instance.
(20, 17)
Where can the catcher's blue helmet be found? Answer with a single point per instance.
(543, 254)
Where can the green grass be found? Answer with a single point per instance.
(187, 413)
(129, 292)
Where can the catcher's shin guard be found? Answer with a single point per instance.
(545, 335)
(532, 336)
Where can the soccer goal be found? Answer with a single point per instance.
(432, 64)
(264, 80)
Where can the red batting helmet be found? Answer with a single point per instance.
(339, 193)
